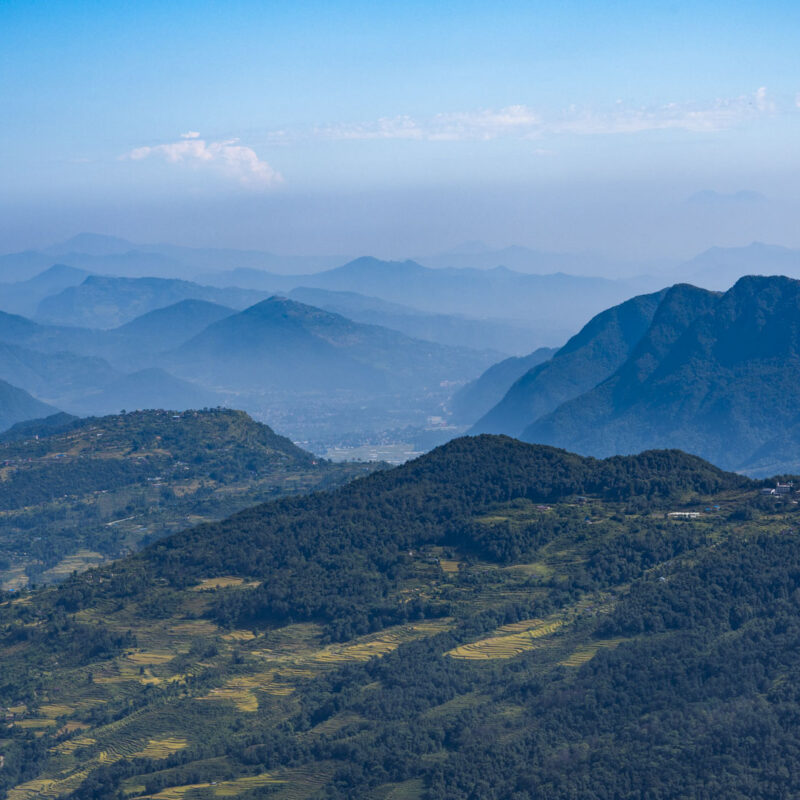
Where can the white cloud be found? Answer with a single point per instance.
(453, 126)
(227, 157)
(523, 122)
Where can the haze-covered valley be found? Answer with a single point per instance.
(363, 354)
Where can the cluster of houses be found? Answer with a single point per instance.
(779, 488)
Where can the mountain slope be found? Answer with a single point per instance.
(722, 388)
(16, 405)
(492, 620)
(280, 344)
(480, 396)
(589, 357)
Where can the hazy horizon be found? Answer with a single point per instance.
(639, 134)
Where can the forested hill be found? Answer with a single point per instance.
(493, 620)
(76, 492)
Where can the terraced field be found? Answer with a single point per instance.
(509, 641)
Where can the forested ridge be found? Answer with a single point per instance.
(75, 492)
(493, 620)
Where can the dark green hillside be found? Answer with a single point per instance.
(493, 620)
(97, 488)
(589, 357)
(723, 388)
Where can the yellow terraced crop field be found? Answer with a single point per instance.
(198, 627)
(35, 723)
(263, 681)
(161, 748)
(45, 788)
(71, 745)
(71, 727)
(243, 699)
(31, 790)
(239, 636)
(54, 710)
(217, 583)
(379, 644)
(588, 652)
(221, 789)
(508, 645)
(145, 658)
(522, 625)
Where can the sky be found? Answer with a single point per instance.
(640, 130)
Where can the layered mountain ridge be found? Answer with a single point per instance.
(717, 374)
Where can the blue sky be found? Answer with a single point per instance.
(313, 126)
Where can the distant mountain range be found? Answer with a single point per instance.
(720, 267)
(450, 329)
(513, 287)
(67, 296)
(112, 255)
(107, 302)
(556, 302)
(476, 255)
(195, 353)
